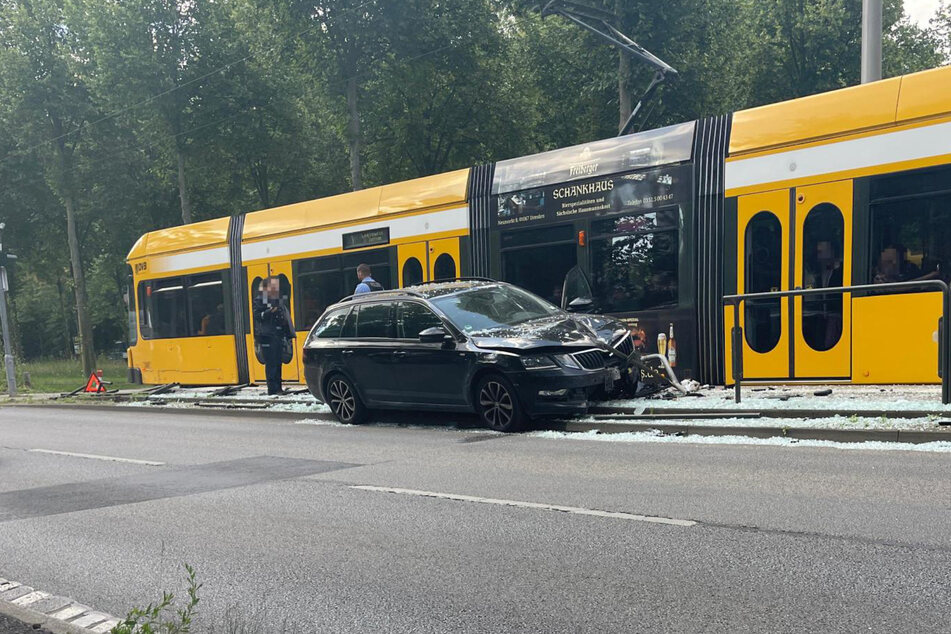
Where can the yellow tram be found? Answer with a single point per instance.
(846, 187)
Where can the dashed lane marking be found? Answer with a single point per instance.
(530, 505)
(149, 463)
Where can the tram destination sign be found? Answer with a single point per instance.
(595, 197)
(367, 238)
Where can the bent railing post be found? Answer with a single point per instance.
(944, 326)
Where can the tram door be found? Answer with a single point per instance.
(822, 327)
(798, 239)
(763, 266)
(257, 273)
(428, 260)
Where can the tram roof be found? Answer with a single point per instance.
(871, 106)
(427, 193)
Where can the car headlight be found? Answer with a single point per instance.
(538, 362)
(568, 361)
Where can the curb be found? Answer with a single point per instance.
(102, 622)
(912, 436)
(674, 412)
(800, 433)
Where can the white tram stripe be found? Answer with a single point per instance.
(149, 463)
(842, 156)
(529, 505)
(404, 227)
(192, 260)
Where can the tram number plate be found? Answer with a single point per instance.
(612, 375)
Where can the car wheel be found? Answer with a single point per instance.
(344, 401)
(497, 404)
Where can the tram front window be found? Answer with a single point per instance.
(823, 237)
(538, 260)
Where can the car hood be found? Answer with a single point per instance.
(540, 333)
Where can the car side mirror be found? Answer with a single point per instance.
(436, 334)
(580, 305)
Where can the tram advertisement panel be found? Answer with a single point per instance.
(596, 197)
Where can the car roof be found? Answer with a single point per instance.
(425, 291)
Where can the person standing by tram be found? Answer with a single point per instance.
(367, 284)
(274, 328)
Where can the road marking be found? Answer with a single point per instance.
(529, 505)
(150, 463)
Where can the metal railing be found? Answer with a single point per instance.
(944, 333)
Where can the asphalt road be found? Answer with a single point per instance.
(760, 538)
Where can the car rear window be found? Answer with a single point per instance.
(331, 324)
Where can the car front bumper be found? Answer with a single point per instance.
(545, 393)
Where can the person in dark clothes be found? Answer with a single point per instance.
(274, 326)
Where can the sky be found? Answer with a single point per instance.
(921, 11)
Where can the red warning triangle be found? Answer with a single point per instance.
(94, 384)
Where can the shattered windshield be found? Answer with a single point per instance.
(487, 308)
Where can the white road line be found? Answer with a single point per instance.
(529, 505)
(150, 463)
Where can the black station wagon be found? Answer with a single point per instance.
(468, 346)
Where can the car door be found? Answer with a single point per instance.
(367, 351)
(429, 373)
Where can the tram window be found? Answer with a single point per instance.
(379, 261)
(444, 268)
(911, 240)
(635, 270)
(412, 272)
(763, 273)
(374, 321)
(540, 270)
(206, 300)
(538, 259)
(822, 245)
(145, 318)
(168, 312)
(316, 291)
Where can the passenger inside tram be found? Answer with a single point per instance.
(822, 315)
(894, 266)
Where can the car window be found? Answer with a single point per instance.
(492, 307)
(331, 324)
(413, 319)
(374, 320)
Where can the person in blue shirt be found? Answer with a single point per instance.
(367, 284)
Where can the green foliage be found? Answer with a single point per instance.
(65, 375)
(164, 617)
(137, 113)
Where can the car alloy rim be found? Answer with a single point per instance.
(341, 400)
(496, 402)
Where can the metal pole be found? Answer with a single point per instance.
(7, 346)
(944, 351)
(737, 352)
(871, 40)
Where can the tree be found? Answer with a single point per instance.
(152, 58)
(42, 69)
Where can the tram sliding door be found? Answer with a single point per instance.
(822, 341)
(426, 261)
(763, 265)
(256, 274)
